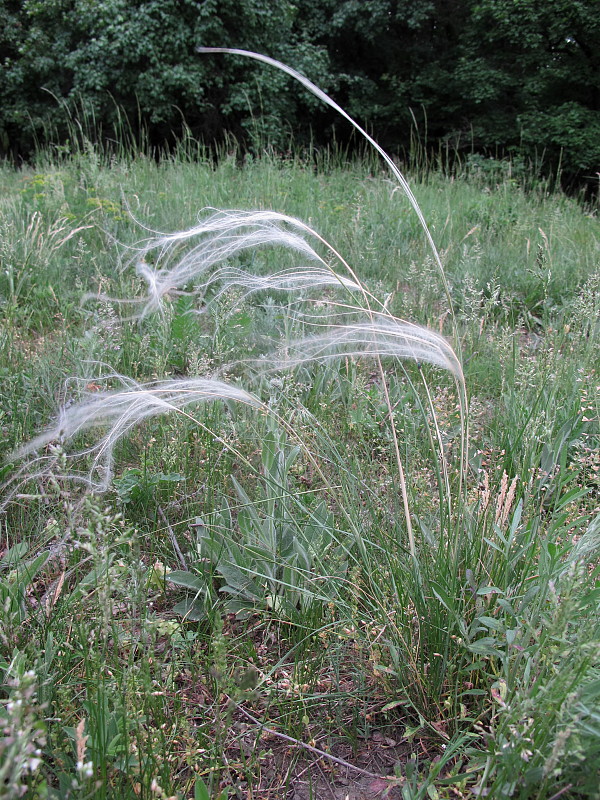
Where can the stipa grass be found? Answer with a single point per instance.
(222, 236)
(292, 516)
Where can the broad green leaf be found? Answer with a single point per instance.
(187, 580)
(14, 555)
(200, 790)
(191, 609)
(486, 646)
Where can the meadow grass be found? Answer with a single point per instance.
(261, 556)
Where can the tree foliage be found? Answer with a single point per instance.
(539, 63)
(498, 76)
(133, 63)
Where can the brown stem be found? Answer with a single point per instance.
(310, 748)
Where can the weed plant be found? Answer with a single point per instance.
(269, 508)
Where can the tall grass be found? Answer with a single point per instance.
(287, 469)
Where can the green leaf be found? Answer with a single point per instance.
(590, 598)
(200, 790)
(187, 580)
(33, 567)
(444, 598)
(486, 646)
(88, 582)
(191, 609)
(12, 556)
(590, 692)
(394, 704)
(5, 471)
(490, 622)
(489, 590)
(171, 477)
(239, 583)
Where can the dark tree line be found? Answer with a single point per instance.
(500, 77)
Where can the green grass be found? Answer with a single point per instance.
(261, 560)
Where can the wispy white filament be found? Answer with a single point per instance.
(119, 411)
(292, 280)
(221, 236)
(314, 89)
(380, 336)
(405, 188)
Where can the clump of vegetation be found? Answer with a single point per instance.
(309, 534)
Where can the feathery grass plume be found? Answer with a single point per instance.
(222, 235)
(436, 257)
(289, 280)
(218, 237)
(379, 337)
(388, 160)
(119, 411)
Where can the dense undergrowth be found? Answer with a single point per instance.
(310, 545)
